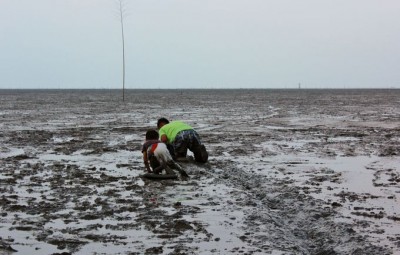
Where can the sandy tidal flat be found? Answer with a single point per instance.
(290, 172)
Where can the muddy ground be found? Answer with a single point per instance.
(290, 172)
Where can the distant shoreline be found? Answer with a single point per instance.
(192, 89)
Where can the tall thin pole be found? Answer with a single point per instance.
(123, 50)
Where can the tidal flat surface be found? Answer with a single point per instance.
(290, 172)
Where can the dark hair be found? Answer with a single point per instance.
(151, 134)
(162, 120)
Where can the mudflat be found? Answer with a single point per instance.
(289, 172)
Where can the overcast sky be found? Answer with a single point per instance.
(200, 44)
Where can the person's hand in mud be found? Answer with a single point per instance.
(159, 169)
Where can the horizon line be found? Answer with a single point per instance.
(251, 88)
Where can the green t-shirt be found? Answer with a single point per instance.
(172, 129)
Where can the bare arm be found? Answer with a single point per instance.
(146, 161)
(164, 139)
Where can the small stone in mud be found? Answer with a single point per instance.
(24, 228)
(379, 215)
(122, 165)
(252, 203)
(225, 176)
(326, 252)
(395, 218)
(154, 250)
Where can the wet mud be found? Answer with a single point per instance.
(289, 172)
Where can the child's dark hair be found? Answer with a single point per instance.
(151, 134)
(162, 120)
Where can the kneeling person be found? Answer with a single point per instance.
(182, 137)
(156, 154)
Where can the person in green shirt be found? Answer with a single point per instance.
(182, 137)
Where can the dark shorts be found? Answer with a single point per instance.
(184, 140)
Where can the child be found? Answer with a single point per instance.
(157, 156)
